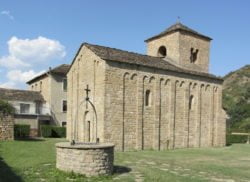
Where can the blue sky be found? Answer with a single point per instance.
(37, 34)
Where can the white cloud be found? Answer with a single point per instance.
(25, 56)
(8, 14)
(29, 52)
(36, 50)
(22, 77)
(12, 62)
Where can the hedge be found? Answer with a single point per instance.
(230, 139)
(21, 130)
(49, 131)
(236, 139)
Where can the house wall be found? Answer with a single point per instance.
(87, 69)
(43, 85)
(16, 105)
(167, 123)
(57, 96)
(51, 88)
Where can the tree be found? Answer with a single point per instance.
(6, 108)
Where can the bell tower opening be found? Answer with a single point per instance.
(193, 55)
(162, 52)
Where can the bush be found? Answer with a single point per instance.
(6, 108)
(236, 139)
(48, 131)
(21, 130)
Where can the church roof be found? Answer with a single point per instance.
(20, 95)
(178, 27)
(59, 70)
(112, 54)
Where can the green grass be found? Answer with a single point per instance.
(34, 161)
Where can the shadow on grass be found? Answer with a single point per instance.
(30, 139)
(121, 169)
(7, 174)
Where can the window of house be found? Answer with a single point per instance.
(64, 124)
(32, 87)
(35, 87)
(147, 98)
(162, 51)
(65, 84)
(64, 106)
(191, 102)
(24, 108)
(193, 55)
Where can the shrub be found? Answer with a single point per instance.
(48, 131)
(59, 132)
(236, 139)
(6, 108)
(21, 130)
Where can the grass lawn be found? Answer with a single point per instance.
(34, 161)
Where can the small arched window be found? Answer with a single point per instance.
(162, 52)
(193, 55)
(191, 102)
(147, 98)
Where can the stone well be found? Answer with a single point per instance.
(87, 159)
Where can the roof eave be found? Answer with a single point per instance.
(188, 73)
(178, 30)
(37, 77)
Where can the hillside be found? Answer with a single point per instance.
(236, 97)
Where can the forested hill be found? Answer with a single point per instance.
(236, 97)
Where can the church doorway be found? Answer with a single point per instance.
(88, 131)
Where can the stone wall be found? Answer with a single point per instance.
(90, 160)
(118, 92)
(178, 47)
(88, 69)
(6, 127)
(171, 120)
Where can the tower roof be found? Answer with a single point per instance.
(178, 27)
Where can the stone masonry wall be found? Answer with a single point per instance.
(178, 47)
(6, 127)
(88, 69)
(171, 120)
(91, 160)
(118, 92)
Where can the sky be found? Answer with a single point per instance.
(38, 34)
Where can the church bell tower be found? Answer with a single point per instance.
(182, 47)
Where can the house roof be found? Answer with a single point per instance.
(178, 27)
(20, 95)
(117, 55)
(60, 70)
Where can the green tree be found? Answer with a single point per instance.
(6, 108)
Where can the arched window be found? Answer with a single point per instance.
(147, 98)
(191, 102)
(193, 55)
(162, 52)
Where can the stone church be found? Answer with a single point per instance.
(166, 99)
